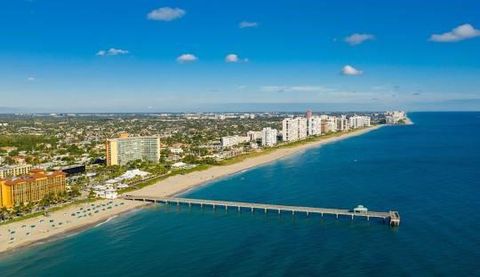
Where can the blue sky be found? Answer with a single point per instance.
(172, 55)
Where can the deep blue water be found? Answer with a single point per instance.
(429, 171)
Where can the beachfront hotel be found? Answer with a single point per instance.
(30, 188)
(120, 151)
(14, 170)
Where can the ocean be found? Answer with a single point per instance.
(429, 172)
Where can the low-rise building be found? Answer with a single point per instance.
(14, 170)
(254, 135)
(233, 140)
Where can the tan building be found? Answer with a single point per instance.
(14, 170)
(30, 188)
(120, 151)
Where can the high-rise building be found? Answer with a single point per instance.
(314, 126)
(342, 123)
(14, 170)
(294, 128)
(120, 151)
(269, 136)
(30, 188)
(302, 127)
(329, 124)
(359, 121)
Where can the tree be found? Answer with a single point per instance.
(4, 214)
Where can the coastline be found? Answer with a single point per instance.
(174, 185)
(180, 184)
(25, 235)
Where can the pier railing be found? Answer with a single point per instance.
(391, 217)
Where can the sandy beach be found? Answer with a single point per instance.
(181, 183)
(62, 222)
(79, 217)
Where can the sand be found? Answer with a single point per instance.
(181, 183)
(66, 221)
(61, 222)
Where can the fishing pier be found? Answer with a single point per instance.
(390, 217)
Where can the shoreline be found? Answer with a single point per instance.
(180, 184)
(38, 236)
(174, 185)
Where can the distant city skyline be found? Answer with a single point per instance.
(151, 56)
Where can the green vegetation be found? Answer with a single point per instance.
(27, 142)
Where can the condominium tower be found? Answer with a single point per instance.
(269, 136)
(294, 128)
(120, 151)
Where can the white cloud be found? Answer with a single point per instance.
(459, 33)
(185, 58)
(31, 78)
(166, 14)
(233, 58)
(357, 39)
(247, 24)
(303, 88)
(351, 71)
(112, 52)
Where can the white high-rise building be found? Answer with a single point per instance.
(342, 123)
(359, 121)
(290, 129)
(269, 136)
(314, 126)
(294, 128)
(302, 127)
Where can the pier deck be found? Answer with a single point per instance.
(392, 217)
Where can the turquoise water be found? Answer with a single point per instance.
(429, 171)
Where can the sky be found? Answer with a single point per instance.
(153, 56)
